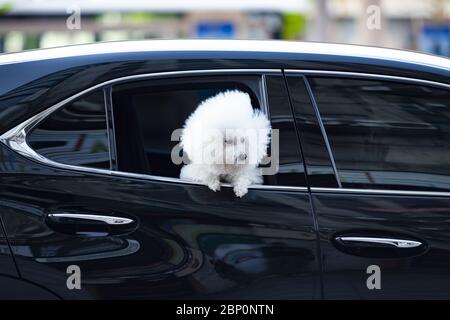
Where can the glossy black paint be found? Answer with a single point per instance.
(189, 242)
(12, 285)
(14, 288)
(6, 259)
(421, 274)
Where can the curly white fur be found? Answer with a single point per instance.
(225, 140)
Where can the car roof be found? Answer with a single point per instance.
(249, 46)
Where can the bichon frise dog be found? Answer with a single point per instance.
(225, 139)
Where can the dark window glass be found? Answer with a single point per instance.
(291, 169)
(317, 158)
(75, 134)
(386, 135)
(147, 112)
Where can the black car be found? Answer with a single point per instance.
(92, 206)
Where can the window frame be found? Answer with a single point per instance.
(15, 138)
(368, 76)
(260, 92)
(29, 129)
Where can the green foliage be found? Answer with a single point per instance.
(294, 25)
(6, 8)
(31, 41)
(138, 17)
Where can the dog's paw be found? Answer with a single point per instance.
(214, 185)
(240, 190)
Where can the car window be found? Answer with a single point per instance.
(291, 169)
(386, 135)
(146, 113)
(317, 157)
(75, 134)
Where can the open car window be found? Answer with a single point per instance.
(146, 113)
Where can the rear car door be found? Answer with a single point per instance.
(6, 260)
(384, 218)
(12, 287)
(96, 192)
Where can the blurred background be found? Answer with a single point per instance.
(422, 25)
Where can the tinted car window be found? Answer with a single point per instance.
(317, 157)
(383, 134)
(291, 170)
(147, 112)
(75, 134)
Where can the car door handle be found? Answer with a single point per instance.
(397, 243)
(111, 220)
(89, 224)
(378, 244)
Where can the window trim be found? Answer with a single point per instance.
(323, 131)
(366, 75)
(15, 138)
(107, 100)
(340, 189)
(380, 192)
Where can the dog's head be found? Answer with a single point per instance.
(225, 129)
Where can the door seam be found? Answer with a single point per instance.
(10, 248)
(313, 212)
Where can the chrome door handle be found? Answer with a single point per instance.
(110, 220)
(397, 243)
(90, 225)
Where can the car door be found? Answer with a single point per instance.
(6, 261)
(99, 210)
(384, 222)
(11, 286)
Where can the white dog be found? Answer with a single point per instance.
(225, 140)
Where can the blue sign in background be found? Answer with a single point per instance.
(435, 39)
(215, 30)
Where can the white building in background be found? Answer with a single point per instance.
(42, 23)
(410, 24)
